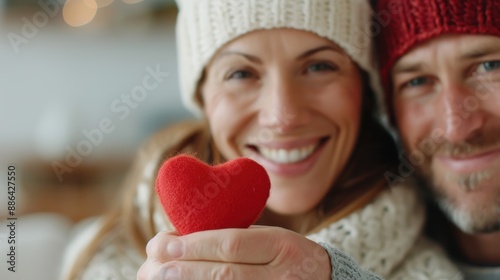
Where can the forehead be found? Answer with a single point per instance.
(452, 46)
(266, 39)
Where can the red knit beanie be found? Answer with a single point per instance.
(414, 21)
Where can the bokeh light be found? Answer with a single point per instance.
(79, 12)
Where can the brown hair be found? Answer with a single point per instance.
(360, 182)
(362, 179)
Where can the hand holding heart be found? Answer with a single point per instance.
(235, 254)
(212, 208)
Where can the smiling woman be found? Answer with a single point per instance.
(305, 92)
(283, 89)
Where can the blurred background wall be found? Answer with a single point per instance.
(69, 68)
(64, 79)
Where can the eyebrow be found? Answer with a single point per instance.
(407, 68)
(247, 56)
(475, 53)
(257, 60)
(320, 49)
(480, 51)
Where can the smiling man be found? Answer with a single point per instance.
(440, 66)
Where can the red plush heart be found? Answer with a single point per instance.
(199, 197)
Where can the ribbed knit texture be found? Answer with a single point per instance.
(204, 26)
(420, 20)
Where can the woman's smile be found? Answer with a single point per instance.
(290, 158)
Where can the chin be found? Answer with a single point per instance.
(473, 219)
(297, 195)
(289, 204)
(470, 200)
(472, 210)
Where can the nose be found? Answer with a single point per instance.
(284, 107)
(463, 115)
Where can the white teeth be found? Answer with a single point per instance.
(287, 156)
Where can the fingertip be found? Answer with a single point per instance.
(170, 272)
(175, 248)
(149, 247)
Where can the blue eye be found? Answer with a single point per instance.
(319, 67)
(417, 82)
(240, 75)
(491, 65)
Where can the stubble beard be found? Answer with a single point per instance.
(477, 216)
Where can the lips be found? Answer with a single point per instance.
(472, 163)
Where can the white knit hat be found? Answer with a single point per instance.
(204, 26)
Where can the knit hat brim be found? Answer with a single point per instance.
(204, 26)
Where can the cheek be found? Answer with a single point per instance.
(414, 122)
(226, 119)
(345, 107)
(490, 102)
